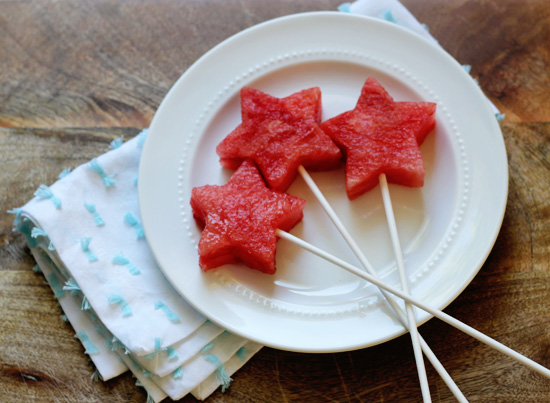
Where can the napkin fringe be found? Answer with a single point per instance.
(64, 173)
(388, 16)
(133, 222)
(172, 317)
(344, 7)
(170, 351)
(115, 299)
(242, 353)
(96, 376)
(122, 260)
(72, 286)
(36, 232)
(85, 246)
(108, 180)
(45, 193)
(141, 137)
(117, 345)
(17, 220)
(178, 373)
(85, 304)
(116, 143)
(221, 373)
(58, 290)
(90, 348)
(92, 210)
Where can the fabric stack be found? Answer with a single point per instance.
(85, 234)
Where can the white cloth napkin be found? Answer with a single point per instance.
(85, 234)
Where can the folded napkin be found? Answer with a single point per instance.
(85, 234)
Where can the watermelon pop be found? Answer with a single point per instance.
(279, 135)
(240, 219)
(380, 139)
(380, 136)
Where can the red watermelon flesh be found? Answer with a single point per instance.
(239, 220)
(279, 135)
(381, 136)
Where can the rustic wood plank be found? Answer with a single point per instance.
(113, 62)
(505, 42)
(106, 65)
(40, 360)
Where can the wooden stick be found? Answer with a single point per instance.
(433, 311)
(391, 301)
(413, 330)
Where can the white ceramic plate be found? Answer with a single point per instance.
(447, 228)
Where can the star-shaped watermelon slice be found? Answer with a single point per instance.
(381, 136)
(239, 220)
(279, 135)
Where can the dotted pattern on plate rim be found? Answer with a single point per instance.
(313, 55)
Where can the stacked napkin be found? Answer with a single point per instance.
(85, 234)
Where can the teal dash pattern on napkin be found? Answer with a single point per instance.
(108, 180)
(95, 214)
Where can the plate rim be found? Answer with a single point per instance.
(146, 216)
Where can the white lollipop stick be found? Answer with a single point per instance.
(435, 312)
(391, 301)
(413, 330)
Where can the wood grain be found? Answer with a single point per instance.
(75, 75)
(508, 299)
(506, 43)
(113, 61)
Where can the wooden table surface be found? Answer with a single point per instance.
(75, 75)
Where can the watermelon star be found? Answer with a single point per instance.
(239, 220)
(279, 135)
(381, 136)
